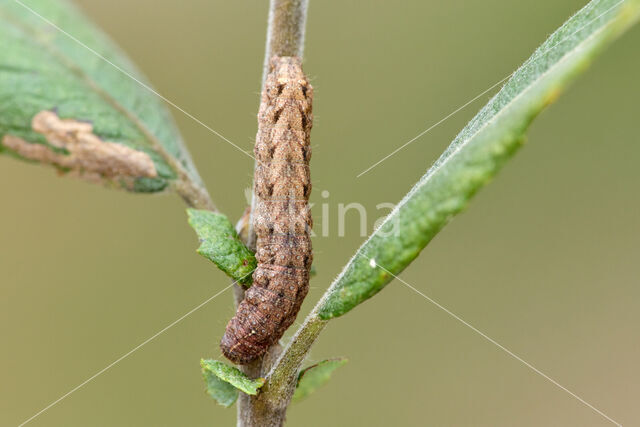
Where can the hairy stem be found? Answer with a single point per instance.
(195, 195)
(285, 37)
(284, 371)
(284, 374)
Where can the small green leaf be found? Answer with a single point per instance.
(477, 153)
(121, 134)
(232, 376)
(223, 392)
(315, 376)
(220, 243)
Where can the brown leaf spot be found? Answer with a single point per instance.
(89, 157)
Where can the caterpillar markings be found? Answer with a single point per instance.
(281, 219)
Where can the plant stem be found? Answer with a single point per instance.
(282, 379)
(285, 37)
(195, 195)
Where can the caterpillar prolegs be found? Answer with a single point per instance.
(281, 219)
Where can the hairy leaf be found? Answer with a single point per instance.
(62, 104)
(315, 376)
(231, 375)
(220, 243)
(477, 153)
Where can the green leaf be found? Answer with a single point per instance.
(315, 376)
(229, 375)
(220, 243)
(223, 392)
(477, 153)
(121, 132)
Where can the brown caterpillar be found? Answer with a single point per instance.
(281, 220)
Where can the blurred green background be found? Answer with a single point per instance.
(545, 261)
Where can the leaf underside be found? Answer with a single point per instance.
(220, 244)
(221, 391)
(44, 70)
(216, 373)
(477, 153)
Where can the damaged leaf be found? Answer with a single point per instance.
(81, 152)
(220, 244)
(80, 111)
(230, 375)
(315, 376)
